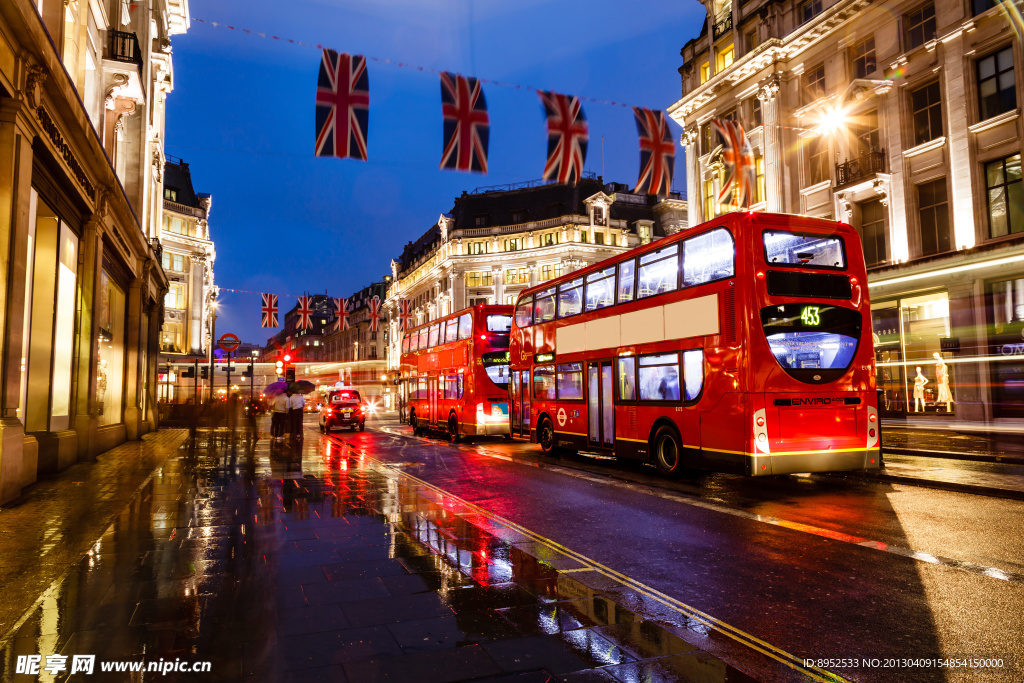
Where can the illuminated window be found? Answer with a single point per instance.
(549, 272)
(933, 210)
(709, 199)
(175, 296)
(1005, 196)
(926, 105)
(759, 179)
(476, 248)
(514, 244)
(170, 194)
(872, 232)
(478, 278)
(172, 338)
(517, 276)
(808, 10)
(659, 272)
(705, 72)
(725, 58)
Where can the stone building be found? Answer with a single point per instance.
(82, 94)
(497, 241)
(188, 256)
(902, 119)
(358, 342)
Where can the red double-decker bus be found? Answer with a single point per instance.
(455, 373)
(740, 345)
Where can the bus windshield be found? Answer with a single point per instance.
(812, 342)
(805, 250)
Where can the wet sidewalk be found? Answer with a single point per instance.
(275, 562)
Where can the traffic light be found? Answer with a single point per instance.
(188, 372)
(248, 371)
(280, 367)
(204, 372)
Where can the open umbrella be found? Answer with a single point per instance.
(303, 387)
(275, 388)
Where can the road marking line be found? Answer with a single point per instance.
(742, 637)
(953, 563)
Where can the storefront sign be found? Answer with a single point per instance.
(65, 151)
(949, 344)
(1011, 349)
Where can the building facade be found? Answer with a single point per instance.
(496, 242)
(358, 342)
(187, 257)
(902, 119)
(82, 91)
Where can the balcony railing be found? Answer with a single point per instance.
(722, 26)
(861, 168)
(124, 47)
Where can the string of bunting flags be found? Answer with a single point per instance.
(341, 310)
(342, 117)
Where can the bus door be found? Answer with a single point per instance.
(513, 401)
(432, 394)
(523, 407)
(600, 407)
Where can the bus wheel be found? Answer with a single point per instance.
(453, 428)
(668, 452)
(507, 437)
(546, 436)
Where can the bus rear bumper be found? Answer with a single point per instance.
(486, 429)
(844, 460)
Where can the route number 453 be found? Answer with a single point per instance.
(811, 316)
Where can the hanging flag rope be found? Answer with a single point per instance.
(402, 65)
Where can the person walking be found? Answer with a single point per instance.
(297, 405)
(279, 415)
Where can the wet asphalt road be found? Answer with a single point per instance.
(821, 567)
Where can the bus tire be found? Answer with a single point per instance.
(507, 437)
(453, 428)
(667, 451)
(546, 436)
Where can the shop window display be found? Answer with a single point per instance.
(925, 322)
(110, 352)
(1006, 342)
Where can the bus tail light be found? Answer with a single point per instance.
(761, 431)
(872, 432)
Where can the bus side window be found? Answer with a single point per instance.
(570, 298)
(544, 306)
(451, 333)
(708, 257)
(462, 385)
(405, 344)
(659, 377)
(432, 341)
(524, 312)
(423, 339)
(627, 378)
(544, 382)
(693, 372)
(598, 293)
(465, 326)
(627, 271)
(659, 272)
(570, 381)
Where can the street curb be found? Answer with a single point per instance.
(929, 483)
(7, 637)
(952, 455)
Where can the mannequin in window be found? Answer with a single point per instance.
(942, 379)
(919, 383)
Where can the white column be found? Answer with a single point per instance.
(774, 152)
(499, 284)
(899, 245)
(962, 214)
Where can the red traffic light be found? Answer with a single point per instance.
(287, 358)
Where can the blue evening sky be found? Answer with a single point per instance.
(242, 116)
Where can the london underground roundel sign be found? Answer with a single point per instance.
(561, 417)
(228, 342)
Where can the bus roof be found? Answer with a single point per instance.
(497, 309)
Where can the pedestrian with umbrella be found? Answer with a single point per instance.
(279, 406)
(297, 405)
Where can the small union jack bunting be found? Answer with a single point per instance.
(657, 152)
(269, 310)
(375, 314)
(404, 314)
(738, 158)
(466, 124)
(340, 315)
(567, 137)
(342, 106)
(305, 313)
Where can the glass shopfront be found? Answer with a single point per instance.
(110, 352)
(1006, 345)
(49, 328)
(915, 375)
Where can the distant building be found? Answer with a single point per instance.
(302, 344)
(902, 119)
(358, 342)
(497, 241)
(188, 256)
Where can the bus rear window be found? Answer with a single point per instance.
(812, 342)
(499, 323)
(496, 366)
(804, 250)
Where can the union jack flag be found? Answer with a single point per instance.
(738, 158)
(269, 310)
(305, 313)
(567, 137)
(404, 314)
(466, 124)
(342, 106)
(657, 152)
(375, 315)
(340, 315)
